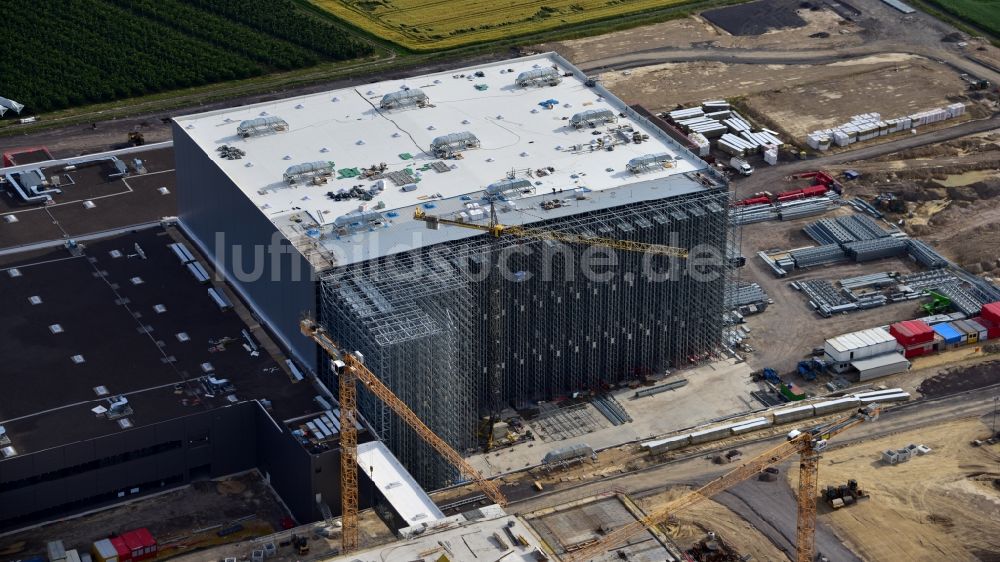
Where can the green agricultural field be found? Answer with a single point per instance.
(76, 52)
(426, 25)
(983, 14)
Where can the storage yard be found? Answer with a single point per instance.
(838, 156)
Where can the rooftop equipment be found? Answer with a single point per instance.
(261, 126)
(308, 170)
(593, 118)
(404, 98)
(447, 145)
(507, 185)
(538, 77)
(648, 162)
(6, 104)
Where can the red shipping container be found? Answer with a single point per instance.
(124, 553)
(991, 312)
(911, 332)
(148, 541)
(917, 351)
(140, 543)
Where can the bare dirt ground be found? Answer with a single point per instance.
(695, 31)
(942, 506)
(892, 85)
(695, 522)
(951, 194)
(171, 517)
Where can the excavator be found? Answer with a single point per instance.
(808, 444)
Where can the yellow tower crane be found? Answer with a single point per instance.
(352, 372)
(807, 444)
(498, 230)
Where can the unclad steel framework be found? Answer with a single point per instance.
(421, 320)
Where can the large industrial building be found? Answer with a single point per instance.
(308, 206)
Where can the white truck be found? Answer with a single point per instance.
(741, 166)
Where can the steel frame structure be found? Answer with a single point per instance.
(420, 318)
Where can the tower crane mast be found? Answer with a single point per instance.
(350, 374)
(807, 444)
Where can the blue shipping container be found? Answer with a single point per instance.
(950, 334)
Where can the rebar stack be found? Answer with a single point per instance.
(819, 255)
(421, 318)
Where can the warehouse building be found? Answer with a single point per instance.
(144, 385)
(461, 324)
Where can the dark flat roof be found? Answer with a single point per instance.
(125, 343)
(118, 202)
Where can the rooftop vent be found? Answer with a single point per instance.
(77, 359)
(308, 170)
(404, 98)
(35, 299)
(507, 185)
(648, 162)
(447, 145)
(261, 126)
(538, 77)
(593, 118)
(56, 329)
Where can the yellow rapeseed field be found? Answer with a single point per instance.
(426, 25)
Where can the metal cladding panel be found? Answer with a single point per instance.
(667, 444)
(895, 397)
(836, 405)
(750, 426)
(711, 434)
(793, 414)
(230, 230)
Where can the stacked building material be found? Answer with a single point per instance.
(867, 126)
(805, 207)
(961, 299)
(743, 293)
(778, 270)
(818, 255)
(700, 141)
(866, 250)
(825, 298)
(829, 231)
(923, 280)
(753, 213)
(883, 279)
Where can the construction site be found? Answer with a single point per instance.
(721, 288)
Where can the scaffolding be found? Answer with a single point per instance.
(419, 318)
(261, 126)
(538, 77)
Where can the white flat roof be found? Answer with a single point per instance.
(519, 137)
(860, 339)
(396, 484)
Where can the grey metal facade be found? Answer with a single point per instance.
(239, 239)
(421, 319)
